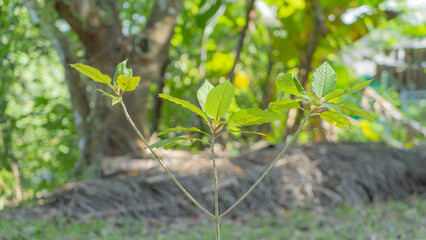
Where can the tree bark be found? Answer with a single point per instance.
(147, 54)
(240, 44)
(80, 104)
(316, 33)
(102, 128)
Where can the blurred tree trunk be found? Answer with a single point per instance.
(102, 129)
(316, 33)
(318, 30)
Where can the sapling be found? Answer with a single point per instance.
(215, 103)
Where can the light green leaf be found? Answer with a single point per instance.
(92, 73)
(250, 132)
(116, 100)
(170, 142)
(352, 109)
(252, 116)
(122, 69)
(323, 80)
(284, 104)
(336, 119)
(289, 84)
(128, 83)
(358, 86)
(334, 94)
(184, 103)
(219, 100)
(179, 129)
(203, 92)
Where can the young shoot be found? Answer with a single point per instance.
(215, 103)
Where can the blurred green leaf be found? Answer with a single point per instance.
(252, 116)
(288, 83)
(284, 103)
(349, 108)
(330, 106)
(249, 132)
(185, 104)
(358, 86)
(334, 94)
(336, 119)
(92, 73)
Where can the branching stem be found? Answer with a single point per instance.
(164, 166)
(216, 217)
(269, 168)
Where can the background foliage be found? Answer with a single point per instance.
(37, 130)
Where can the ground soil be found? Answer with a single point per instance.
(317, 175)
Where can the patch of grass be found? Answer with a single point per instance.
(389, 220)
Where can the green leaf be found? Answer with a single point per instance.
(92, 73)
(185, 104)
(179, 129)
(250, 132)
(284, 104)
(203, 92)
(358, 86)
(312, 96)
(116, 100)
(122, 69)
(330, 106)
(252, 116)
(170, 142)
(336, 119)
(323, 80)
(334, 94)
(128, 83)
(352, 109)
(339, 92)
(289, 84)
(219, 100)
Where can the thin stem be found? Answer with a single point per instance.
(109, 85)
(220, 126)
(221, 134)
(216, 194)
(319, 108)
(163, 165)
(210, 125)
(268, 169)
(205, 134)
(217, 228)
(302, 109)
